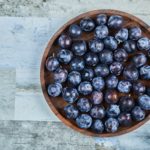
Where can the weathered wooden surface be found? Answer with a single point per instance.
(7, 93)
(59, 8)
(29, 135)
(22, 41)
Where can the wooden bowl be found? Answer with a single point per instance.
(57, 104)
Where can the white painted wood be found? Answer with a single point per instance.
(7, 93)
(23, 41)
(31, 135)
(135, 140)
(28, 79)
(61, 8)
(31, 105)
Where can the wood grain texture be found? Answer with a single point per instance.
(26, 38)
(35, 135)
(61, 8)
(136, 140)
(7, 93)
(26, 135)
(30, 105)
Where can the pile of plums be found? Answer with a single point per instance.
(102, 79)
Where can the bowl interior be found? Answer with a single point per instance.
(57, 104)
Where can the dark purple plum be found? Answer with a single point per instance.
(111, 96)
(74, 78)
(139, 59)
(97, 126)
(87, 74)
(91, 59)
(106, 56)
(110, 43)
(111, 82)
(116, 68)
(79, 48)
(70, 94)
(98, 83)
(143, 43)
(52, 63)
(101, 19)
(71, 111)
(87, 24)
(129, 46)
(124, 86)
(97, 112)
(120, 55)
(77, 64)
(125, 119)
(135, 33)
(139, 88)
(101, 70)
(96, 97)
(75, 31)
(126, 103)
(115, 21)
(60, 75)
(85, 88)
(111, 125)
(101, 32)
(84, 121)
(131, 73)
(138, 114)
(64, 41)
(113, 110)
(145, 72)
(144, 101)
(64, 56)
(84, 105)
(96, 45)
(122, 35)
(54, 89)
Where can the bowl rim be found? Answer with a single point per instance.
(42, 67)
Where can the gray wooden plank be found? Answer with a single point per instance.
(29, 98)
(31, 105)
(26, 39)
(26, 135)
(28, 79)
(135, 140)
(34, 135)
(59, 8)
(7, 93)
